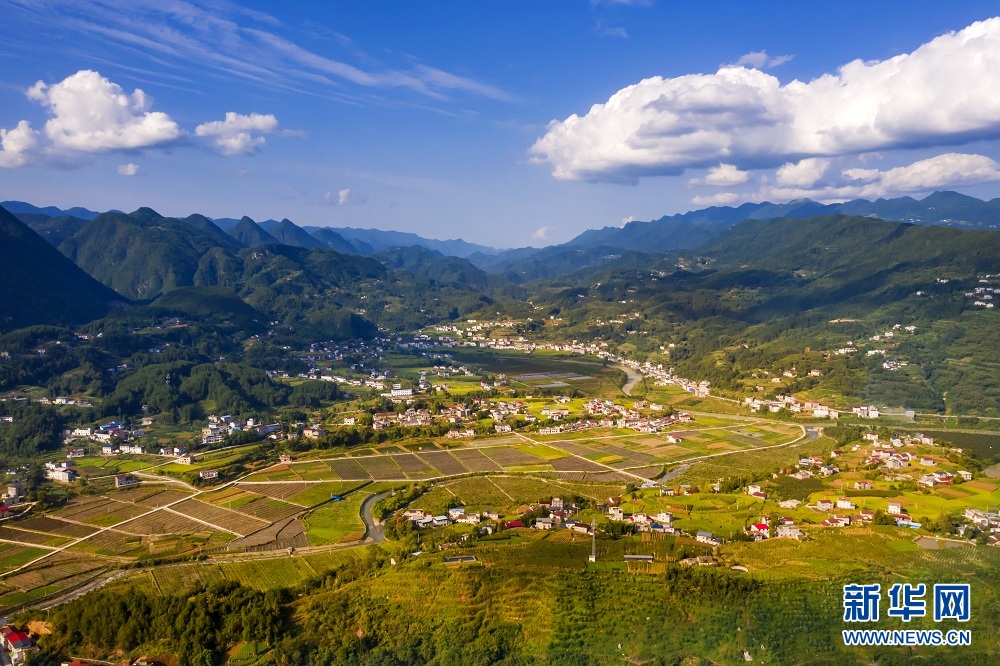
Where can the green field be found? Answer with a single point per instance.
(335, 522)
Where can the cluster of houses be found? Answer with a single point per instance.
(662, 522)
(220, 427)
(16, 646)
(983, 296)
(615, 415)
(556, 514)
(793, 405)
(62, 400)
(111, 434)
(60, 471)
(987, 521)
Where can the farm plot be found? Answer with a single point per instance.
(58, 567)
(336, 522)
(34, 538)
(231, 521)
(525, 490)
(281, 491)
(509, 457)
(321, 492)
(576, 449)
(650, 472)
(381, 467)
(476, 460)
(113, 542)
(270, 509)
(444, 462)
(232, 500)
(163, 521)
(287, 530)
(136, 495)
(413, 466)
(575, 464)
(13, 556)
(55, 526)
(100, 511)
(163, 498)
(312, 471)
(348, 469)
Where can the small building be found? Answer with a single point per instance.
(208, 474)
(125, 480)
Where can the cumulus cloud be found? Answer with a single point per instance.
(541, 233)
(344, 197)
(17, 145)
(719, 199)
(238, 134)
(724, 175)
(804, 173)
(760, 60)
(946, 92)
(90, 114)
(128, 169)
(940, 172)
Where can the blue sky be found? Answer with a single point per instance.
(478, 119)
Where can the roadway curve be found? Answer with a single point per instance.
(373, 528)
(633, 379)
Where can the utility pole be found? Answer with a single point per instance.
(593, 545)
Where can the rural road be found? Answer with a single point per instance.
(372, 529)
(633, 379)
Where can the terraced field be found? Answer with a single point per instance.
(55, 526)
(163, 521)
(476, 461)
(231, 521)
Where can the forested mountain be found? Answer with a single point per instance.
(38, 285)
(691, 229)
(338, 243)
(288, 233)
(142, 254)
(250, 234)
(769, 295)
(53, 229)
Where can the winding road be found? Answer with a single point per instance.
(373, 528)
(633, 379)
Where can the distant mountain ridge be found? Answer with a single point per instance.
(691, 229)
(18, 207)
(591, 248)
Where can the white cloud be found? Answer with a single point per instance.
(804, 173)
(344, 197)
(941, 172)
(128, 169)
(17, 144)
(719, 199)
(626, 220)
(236, 134)
(92, 115)
(541, 233)
(609, 31)
(946, 92)
(760, 60)
(724, 175)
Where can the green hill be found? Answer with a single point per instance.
(38, 285)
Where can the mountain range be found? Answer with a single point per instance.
(668, 233)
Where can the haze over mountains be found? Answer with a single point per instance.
(675, 232)
(322, 276)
